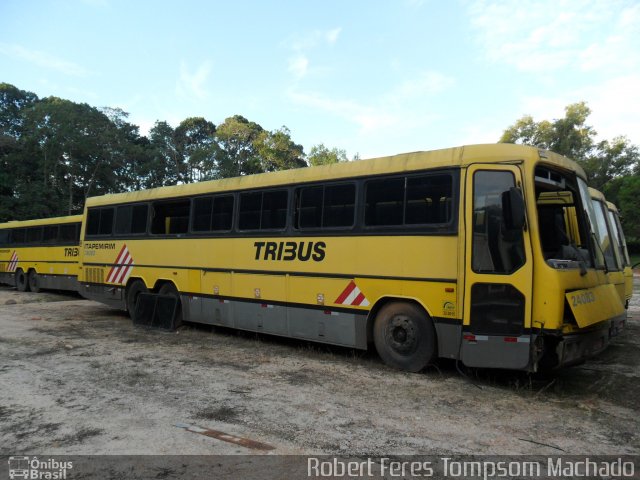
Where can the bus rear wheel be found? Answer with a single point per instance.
(33, 281)
(404, 336)
(134, 289)
(21, 281)
(171, 290)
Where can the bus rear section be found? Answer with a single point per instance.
(40, 254)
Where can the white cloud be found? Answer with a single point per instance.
(298, 66)
(301, 45)
(614, 104)
(42, 59)
(193, 84)
(423, 84)
(332, 35)
(537, 35)
(395, 109)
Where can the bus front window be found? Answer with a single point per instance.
(564, 220)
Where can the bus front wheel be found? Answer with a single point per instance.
(404, 336)
(21, 281)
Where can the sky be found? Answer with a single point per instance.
(370, 77)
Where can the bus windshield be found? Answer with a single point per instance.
(565, 219)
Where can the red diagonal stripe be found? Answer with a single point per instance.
(128, 261)
(347, 291)
(119, 258)
(115, 270)
(358, 300)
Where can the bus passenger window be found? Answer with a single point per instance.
(100, 221)
(212, 213)
(170, 217)
(263, 210)
(131, 219)
(34, 235)
(50, 234)
(384, 202)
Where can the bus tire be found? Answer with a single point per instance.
(33, 281)
(22, 283)
(404, 336)
(171, 290)
(134, 289)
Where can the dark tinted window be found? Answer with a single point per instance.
(428, 199)
(310, 207)
(263, 210)
(411, 200)
(131, 219)
(250, 206)
(212, 213)
(100, 221)
(50, 234)
(34, 235)
(384, 202)
(170, 217)
(18, 236)
(202, 210)
(5, 236)
(339, 206)
(274, 210)
(326, 206)
(70, 233)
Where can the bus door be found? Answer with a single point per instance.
(498, 274)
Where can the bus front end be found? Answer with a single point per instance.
(577, 309)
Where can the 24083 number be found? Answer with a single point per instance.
(583, 298)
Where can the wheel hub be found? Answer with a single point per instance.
(402, 335)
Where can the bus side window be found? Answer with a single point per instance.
(170, 217)
(100, 221)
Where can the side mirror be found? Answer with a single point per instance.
(513, 209)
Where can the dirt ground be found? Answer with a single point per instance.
(78, 378)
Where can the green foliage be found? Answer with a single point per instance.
(629, 205)
(612, 166)
(321, 155)
(55, 153)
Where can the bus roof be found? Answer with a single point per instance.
(450, 157)
(597, 194)
(612, 207)
(42, 221)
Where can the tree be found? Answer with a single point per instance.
(195, 142)
(321, 155)
(628, 202)
(237, 153)
(612, 166)
(277, 151)
(165, 163)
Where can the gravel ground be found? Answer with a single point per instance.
(78, 378)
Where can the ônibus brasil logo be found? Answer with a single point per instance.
(33, 468)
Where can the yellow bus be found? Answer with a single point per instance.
(623, 254)
(452, 253)
(607, 243)
(36, 254)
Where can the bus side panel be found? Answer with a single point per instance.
(337, 328)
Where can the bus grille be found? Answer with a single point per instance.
(94, 275)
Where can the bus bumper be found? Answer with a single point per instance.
(112, 296)
(576, 348)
